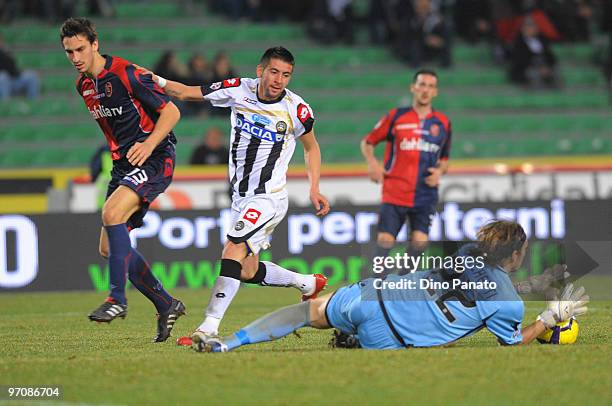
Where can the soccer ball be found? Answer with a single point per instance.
(565, 332)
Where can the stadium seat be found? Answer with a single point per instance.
(349, 88)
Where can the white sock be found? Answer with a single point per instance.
(222, 295)
(210, 325)
(279, 276)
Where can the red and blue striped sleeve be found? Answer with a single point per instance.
(445, 152)
(145, 89)
(381, 129)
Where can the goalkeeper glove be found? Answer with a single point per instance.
(541, 283)
(572, 303)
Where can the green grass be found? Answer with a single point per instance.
(45, 339)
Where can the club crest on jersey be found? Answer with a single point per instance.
(257, 131)
(434, 130)
(108, 89)
(239, 225)
(251, 216)
(216, 86)
(281, 127)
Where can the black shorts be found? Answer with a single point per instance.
(392, 218)
(148, 181)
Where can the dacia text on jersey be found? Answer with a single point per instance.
(258, 131)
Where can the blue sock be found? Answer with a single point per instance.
(271, 326)
(142, 278)
(118, 260)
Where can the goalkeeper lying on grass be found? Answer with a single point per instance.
(418, 309)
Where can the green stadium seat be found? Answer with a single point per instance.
(17, 158)
(139, 10)
(349, 88)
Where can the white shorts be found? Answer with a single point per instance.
(255, 217)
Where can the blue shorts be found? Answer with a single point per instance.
(148, 181)
(347, 312)
(393, 217)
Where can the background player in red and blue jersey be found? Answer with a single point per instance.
(418, 140)
(137, 118)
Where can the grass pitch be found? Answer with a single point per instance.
(46, 339)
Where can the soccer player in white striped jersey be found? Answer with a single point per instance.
(266, 120)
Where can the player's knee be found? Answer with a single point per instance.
(111, 215)
(419, 239)
(317, 312)
(104, 252)
(248, 273)
(386, 240)
(236, 251)
(250, 266)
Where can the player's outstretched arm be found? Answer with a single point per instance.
(532, 331)
(174, 89)
(140, 151)
(312, 157)
(180, 91)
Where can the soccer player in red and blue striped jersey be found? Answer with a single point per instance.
(418, 142)
(137, 118)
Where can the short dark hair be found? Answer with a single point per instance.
(76, 26)
(281, 53)
(424, 72)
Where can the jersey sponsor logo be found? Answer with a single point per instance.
(261, 119)
(418, 145)
(252, 215)
(249, 100)
(216, 86)
(100, 111)
(258, 132)
(108, 89)
(407, 126)
(88, 92)
(235, 82)
(303, 113)
(138, 176)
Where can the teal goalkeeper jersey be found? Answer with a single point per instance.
(426, 313)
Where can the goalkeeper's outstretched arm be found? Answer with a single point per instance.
(532, 331)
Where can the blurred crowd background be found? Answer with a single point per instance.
(559, 48)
